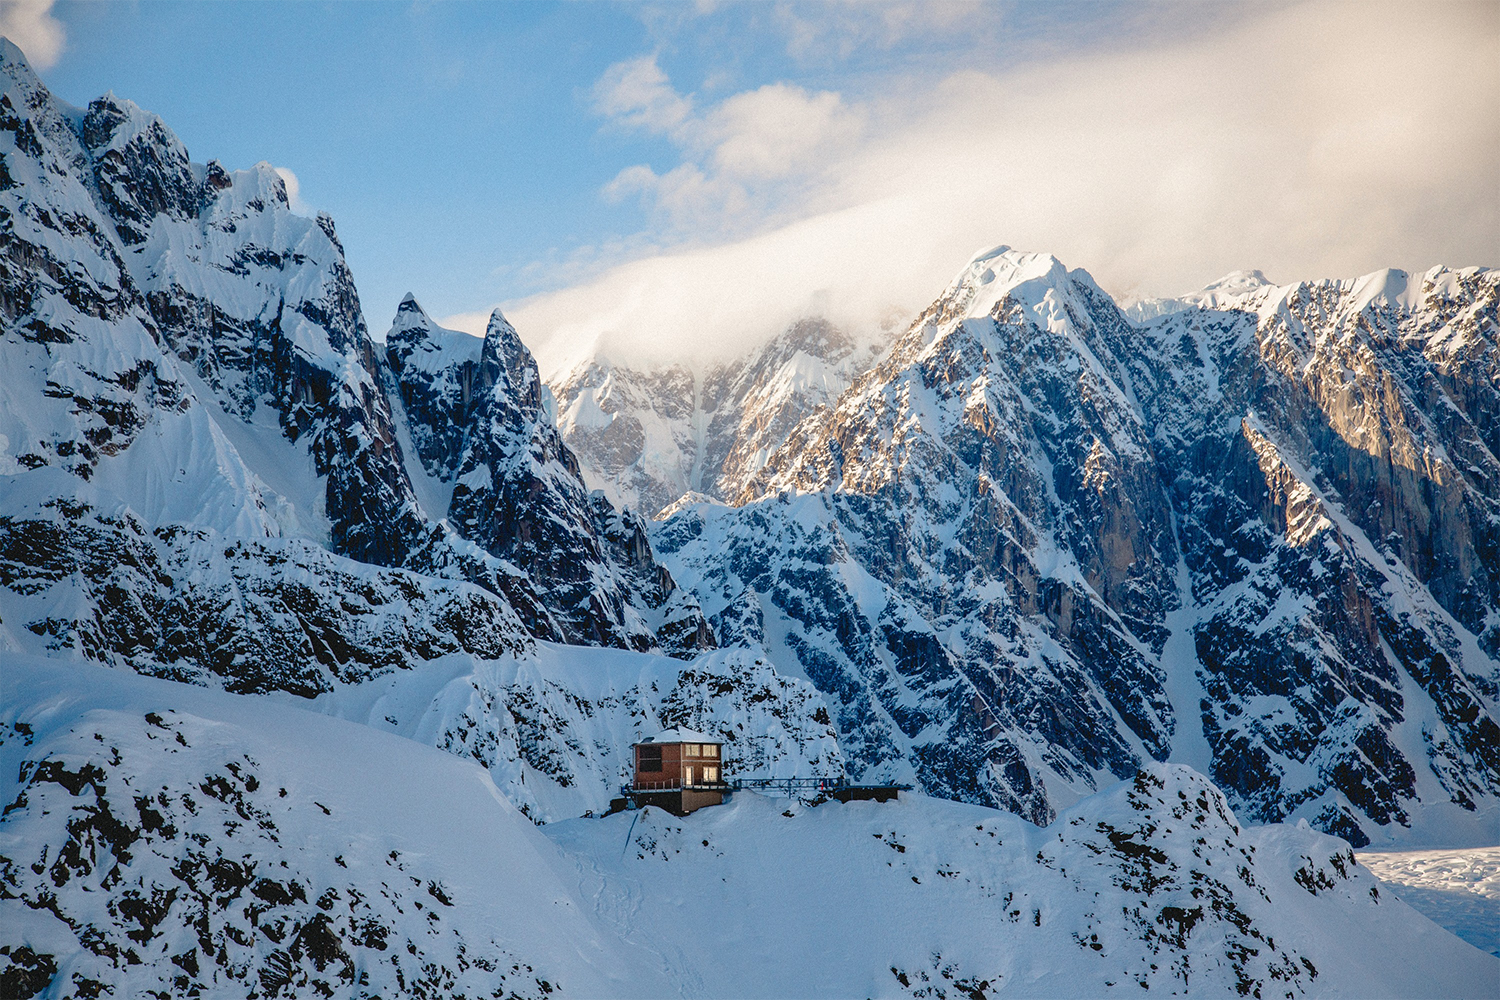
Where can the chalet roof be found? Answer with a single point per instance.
(679, 735)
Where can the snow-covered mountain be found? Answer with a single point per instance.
(213, 474)
(1037, 545)
(484, 431)
(646, 437)
(162, 838)
(1023, 550)
(203, 473)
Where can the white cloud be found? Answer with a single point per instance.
(293, 192)
(738, 154)
(637, 94)
(30, 24)
(1310, 141)
(776, 130)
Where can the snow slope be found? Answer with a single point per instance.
(164, 837)
(1458, 889)
(555, 725)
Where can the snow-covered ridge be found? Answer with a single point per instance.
(1036, 544)
(168, 838)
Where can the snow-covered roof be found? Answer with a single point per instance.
(679, 735)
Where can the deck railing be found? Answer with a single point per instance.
(791, 786)
(676, 784)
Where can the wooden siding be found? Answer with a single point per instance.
(675, 765)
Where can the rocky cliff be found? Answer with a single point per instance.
(1037, 544)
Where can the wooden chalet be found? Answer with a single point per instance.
(679, 770)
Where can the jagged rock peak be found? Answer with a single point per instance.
(141, 168)
(481, 423)
(412, 323)
(506, 364)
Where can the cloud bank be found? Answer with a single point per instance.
(30, 24)
(1312, 141)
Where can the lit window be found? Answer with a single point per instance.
(687, 775)
(710, 750)
(710, 774)
(690, 749)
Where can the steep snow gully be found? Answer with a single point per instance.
(322, 655)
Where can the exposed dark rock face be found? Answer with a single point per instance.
(250, 615)
(1036, 544)
(483, 427)
(204, 475)
(1338, 508)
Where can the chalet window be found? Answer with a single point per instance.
(710, 774)
(710, 750)
(690, 749)
(687, 775)
(648, 758)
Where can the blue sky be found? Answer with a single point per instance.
(669, 174)
(453, 143)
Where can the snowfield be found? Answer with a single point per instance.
(1458, 889)
(555, 725)
(162, 837)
